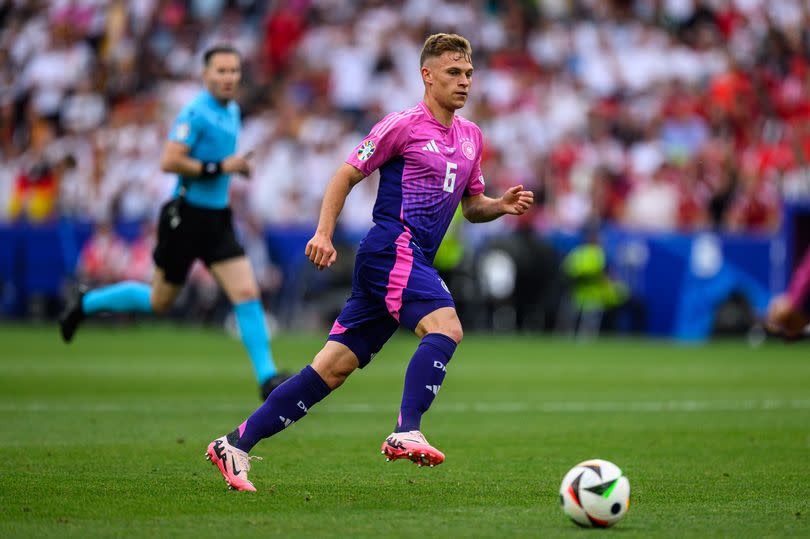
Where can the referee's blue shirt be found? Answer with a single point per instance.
(209, 129)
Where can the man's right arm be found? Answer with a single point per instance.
(176, 160)
(320, 249)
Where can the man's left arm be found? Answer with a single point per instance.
(481, 208)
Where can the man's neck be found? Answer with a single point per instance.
(442, 115)
(222, 102)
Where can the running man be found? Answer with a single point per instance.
(429, 161)
(197, 221)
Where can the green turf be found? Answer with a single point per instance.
(105, 438)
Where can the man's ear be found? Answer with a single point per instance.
(427, 75)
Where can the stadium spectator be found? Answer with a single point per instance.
(653, 204)
(630, 84)
(104, 258)
(139, 257)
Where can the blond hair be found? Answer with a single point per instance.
(438, 44)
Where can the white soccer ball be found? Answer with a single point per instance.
(595, 494)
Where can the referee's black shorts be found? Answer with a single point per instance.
(187, 232)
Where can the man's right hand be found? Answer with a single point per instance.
(320, 251)
(238, 164)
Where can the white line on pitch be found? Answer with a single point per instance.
(478, 407)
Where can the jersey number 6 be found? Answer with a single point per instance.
(450, 177)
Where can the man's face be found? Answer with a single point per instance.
(448, 78)
(222, 75)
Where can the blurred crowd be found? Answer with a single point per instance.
(657, 114)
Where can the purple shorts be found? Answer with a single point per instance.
(392, 287)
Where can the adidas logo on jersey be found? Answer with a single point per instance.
(433, 389)
(431, 147)
(287, 422)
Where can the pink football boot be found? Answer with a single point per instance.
(413, 446)
(233, 463)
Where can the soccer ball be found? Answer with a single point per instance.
(595, 494)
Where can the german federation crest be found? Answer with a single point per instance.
(366, 150)
(468, 149)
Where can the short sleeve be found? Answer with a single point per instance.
(386, 140)
(186, 129)
(475, 185)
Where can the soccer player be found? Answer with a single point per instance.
(197, 222)
(429, 161)
(789, 313)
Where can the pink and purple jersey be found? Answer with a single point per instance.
(425, 169)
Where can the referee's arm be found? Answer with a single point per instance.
(175, 159)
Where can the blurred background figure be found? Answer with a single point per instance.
(139, 265)
(105, 257)
(596, 300)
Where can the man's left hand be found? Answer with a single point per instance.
(515, 201)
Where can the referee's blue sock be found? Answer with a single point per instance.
(125, 297)
(252, 328)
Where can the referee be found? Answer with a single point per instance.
(197, 221)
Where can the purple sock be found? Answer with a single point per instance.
(287, 404)
(424, 378)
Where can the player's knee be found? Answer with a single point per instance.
(337, 373)
(335, 378)
(245, 293)
(334, 369)
(454, 332)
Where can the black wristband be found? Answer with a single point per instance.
(211, 169)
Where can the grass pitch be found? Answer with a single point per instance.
(105, 437)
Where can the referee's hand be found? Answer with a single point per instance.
(238, 164)
(320, 251)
